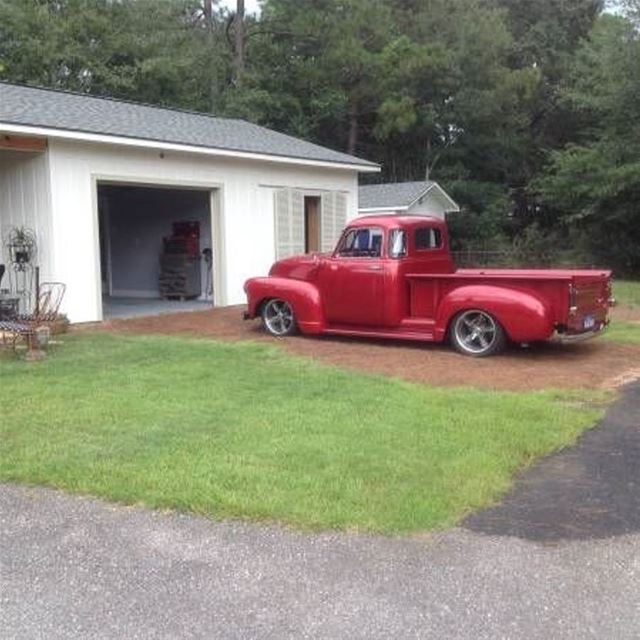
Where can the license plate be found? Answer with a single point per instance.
(589, 322)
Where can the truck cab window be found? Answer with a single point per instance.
(361, 243)
(397, 243)
(427, 238)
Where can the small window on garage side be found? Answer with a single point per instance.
(427, 238)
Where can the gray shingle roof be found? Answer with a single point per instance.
(34, 106)
(391, 195)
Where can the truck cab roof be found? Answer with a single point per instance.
(393, 221)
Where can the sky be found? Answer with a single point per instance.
(251, 6)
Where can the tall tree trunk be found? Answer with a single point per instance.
(208, 13)
(352, 141)
(427, 172)
(238, 41)
(209, 26)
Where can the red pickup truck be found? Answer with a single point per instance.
(392, 277)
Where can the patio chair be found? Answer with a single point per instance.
(34, 328)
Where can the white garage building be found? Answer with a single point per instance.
(426, 198)
(103, 182)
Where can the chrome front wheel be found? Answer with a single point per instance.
(278, 317)
(477, 333)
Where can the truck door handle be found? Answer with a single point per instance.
(375, 267)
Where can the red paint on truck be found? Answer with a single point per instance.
(393, 277)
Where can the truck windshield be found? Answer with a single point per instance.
(361, 243)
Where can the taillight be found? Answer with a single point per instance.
(573, 294)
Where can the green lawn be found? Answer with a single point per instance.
(243, 430)
(623, 332)
(627, 292)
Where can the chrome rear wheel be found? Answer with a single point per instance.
(477, 333)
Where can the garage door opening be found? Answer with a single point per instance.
(157, 251)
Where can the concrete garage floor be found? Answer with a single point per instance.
(139, 307)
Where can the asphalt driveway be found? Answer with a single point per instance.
(79, 568)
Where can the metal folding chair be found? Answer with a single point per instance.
(34, 328)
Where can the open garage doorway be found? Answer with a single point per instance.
(156, 249)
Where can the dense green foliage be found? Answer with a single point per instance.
(244, 430)
(527, 112)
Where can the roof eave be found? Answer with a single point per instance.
(144, 143)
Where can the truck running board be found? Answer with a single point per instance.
(364, 332)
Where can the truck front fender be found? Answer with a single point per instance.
(303, 296)
(523, 315)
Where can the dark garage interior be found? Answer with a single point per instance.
(155, 249)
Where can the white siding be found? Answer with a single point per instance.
(243, 209)
(432, 204)
(25, 201)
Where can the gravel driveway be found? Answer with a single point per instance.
(79, 568)
(593, 364)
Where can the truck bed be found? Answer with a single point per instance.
(519, 274)
(575, 298)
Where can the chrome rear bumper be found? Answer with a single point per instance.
(569, 338)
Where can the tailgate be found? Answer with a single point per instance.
(589, 299)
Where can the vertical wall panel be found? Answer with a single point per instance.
(25, 201)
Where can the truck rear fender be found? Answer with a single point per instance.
(303, 296)
(524, 316)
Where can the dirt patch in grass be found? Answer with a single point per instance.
(595, 364)
(626, 314)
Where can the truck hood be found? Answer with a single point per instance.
(302, 267)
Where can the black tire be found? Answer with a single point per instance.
(278, 318)
(477, 333)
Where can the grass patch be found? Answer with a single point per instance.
(627, 293)
(243, 430)
(623, 332)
